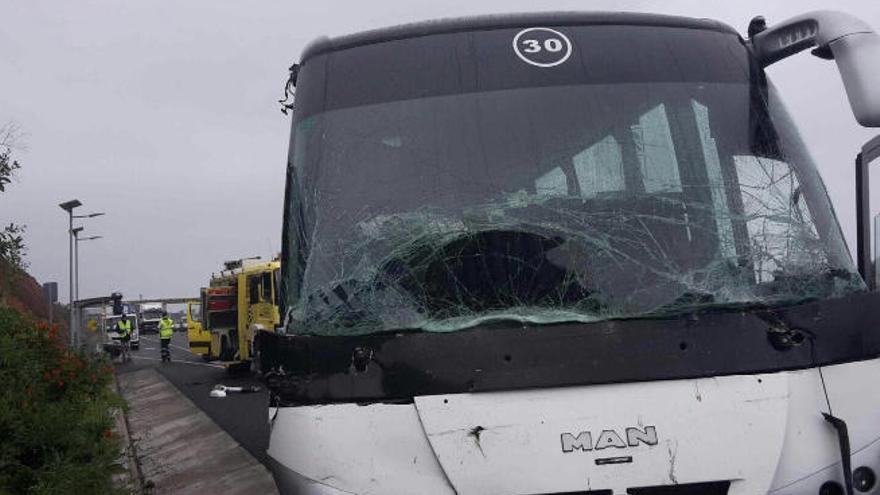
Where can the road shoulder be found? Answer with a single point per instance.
(179, 448)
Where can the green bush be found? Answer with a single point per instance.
(55, 413)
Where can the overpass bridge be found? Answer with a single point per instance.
(107, 300)
(165, 300)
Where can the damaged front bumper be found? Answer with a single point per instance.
(736, 435)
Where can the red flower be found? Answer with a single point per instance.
(60, 383)
(108, 434)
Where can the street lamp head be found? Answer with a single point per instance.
(76, 230)
(90, 238)
(68, 206)
(90, 215)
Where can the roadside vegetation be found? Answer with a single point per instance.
(56, 404)
(56, 417)
(12, 247)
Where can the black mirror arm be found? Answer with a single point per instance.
(845, 453)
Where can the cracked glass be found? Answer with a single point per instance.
(560, 203)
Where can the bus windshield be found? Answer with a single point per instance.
(555, 201)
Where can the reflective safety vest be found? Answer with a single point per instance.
(124, 328)
(166, 328)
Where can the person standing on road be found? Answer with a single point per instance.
(166, 330)
(123, 327)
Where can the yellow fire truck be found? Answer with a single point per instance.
(238, 303)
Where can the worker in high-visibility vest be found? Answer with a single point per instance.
(166, 330)
(123, 327)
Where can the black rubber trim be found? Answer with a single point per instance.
(709, 488)
(316, 370)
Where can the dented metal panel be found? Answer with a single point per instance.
(366, 450)
(642, 435)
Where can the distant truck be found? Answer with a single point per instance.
(180, 322)
(150, 313)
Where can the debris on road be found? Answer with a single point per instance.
(219, 391)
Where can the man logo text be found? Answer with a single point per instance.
(608, 438)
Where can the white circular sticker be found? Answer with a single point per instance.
(542, 47)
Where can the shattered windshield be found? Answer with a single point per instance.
(570, 202)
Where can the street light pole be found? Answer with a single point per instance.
(76, 267)
(68, 206)
(76, 232)
(73, 290)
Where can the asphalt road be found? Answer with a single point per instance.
(243, 416)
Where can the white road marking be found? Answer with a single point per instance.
(174, 346)
(179, 361)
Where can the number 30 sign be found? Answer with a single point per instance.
(542, 47)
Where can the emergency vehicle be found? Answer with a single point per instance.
(238, 303)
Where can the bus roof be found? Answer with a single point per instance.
(488, 22)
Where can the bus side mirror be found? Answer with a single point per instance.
(870, 156)
(836, 35)
(877, 254)
(858, 60)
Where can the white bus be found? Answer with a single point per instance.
(576, 253)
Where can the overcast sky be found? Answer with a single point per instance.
(163, 114)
